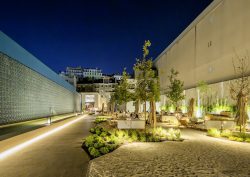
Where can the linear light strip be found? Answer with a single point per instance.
(33, 140)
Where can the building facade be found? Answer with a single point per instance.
(29, 89)
(205, 49)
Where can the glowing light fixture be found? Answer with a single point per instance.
(33, 140)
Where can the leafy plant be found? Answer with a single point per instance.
(94, 152)
(226, 133)
(104, 150)
(175, 89)
(214, 132)
(98, 145)
(142, 137)
(247, 140)
(89, 141)
(232, 138)
(134, 136)
(239, 139)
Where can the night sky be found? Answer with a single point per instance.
(107, 34)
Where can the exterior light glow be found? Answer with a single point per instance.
(33, 140)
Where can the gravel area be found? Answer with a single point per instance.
(198, 155)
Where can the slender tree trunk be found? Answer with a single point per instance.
(112, 108)
(125, 107)
(102, 108)
(139, 106)
(241, 115)
(151, 111)
(145, 111)
(154, 113)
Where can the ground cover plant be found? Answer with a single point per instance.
(233, 136)
(100, 119)
(103, 141)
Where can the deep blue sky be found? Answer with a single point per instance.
(107, 34)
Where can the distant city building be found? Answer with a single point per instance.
(80, 72)
(117, 77)
(92, 73)
(74, 71)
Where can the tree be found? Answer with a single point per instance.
(147, 87)
(112, 103)
(122, 93)
(175, 89)
(240, 89)
(154, 96)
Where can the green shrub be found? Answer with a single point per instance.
(247, 140)
(100, 119)
(134, 135)
(242, 135)
(239, 139)
(92, 130)
(114, 139)
(98, 131)
(89, 141)
(232, 138)
(142, 137)
(95, 153)
(150, 138)
(125, 134)
(103, 134)
(177, 134)
(226, 133)
(90, 149)
(213, 132)
(98, 145)
(160, 131)
(119, 133)
(156, 139)
(173, 134)
(107, 138)
(104, 150)
(111, 147)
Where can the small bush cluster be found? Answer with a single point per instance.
(102, 141)
(214, 132)
(99, 143)
(100, 119)
(240, 137)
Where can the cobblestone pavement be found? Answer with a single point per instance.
(199, 155)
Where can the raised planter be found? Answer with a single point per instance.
(220, 124)
(130, 124)
(170, 119)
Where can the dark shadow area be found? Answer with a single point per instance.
(20, 128)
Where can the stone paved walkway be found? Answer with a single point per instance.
(58, 155)
(198, 155)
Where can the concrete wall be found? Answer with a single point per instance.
(28, 93)
(204, 51)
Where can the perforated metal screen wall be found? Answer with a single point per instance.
(26, 94)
